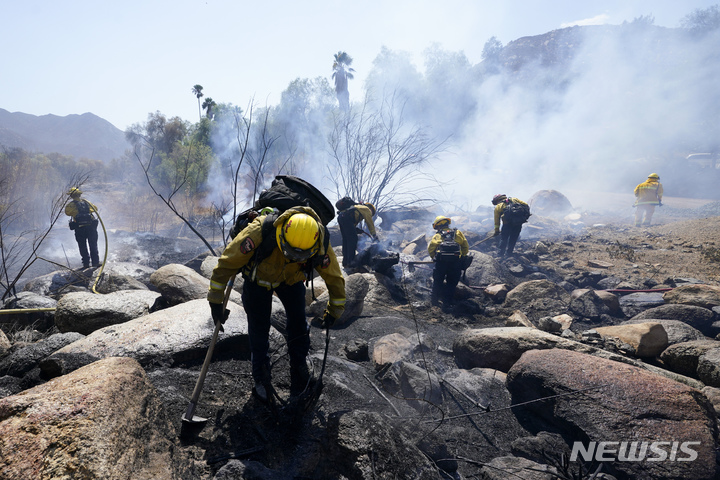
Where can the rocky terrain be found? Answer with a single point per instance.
(595, 331)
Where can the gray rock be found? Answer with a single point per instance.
(486, 270)
(86, 312)
(634, 303)
(24, 359)
(683, 357)
(699, 318)
(708, 370)
(178, 284)
(538, 298)
(176, 334)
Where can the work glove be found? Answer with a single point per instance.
(327, 320)
(216, 310)
(375, 237)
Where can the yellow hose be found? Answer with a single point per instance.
(26, 310)
(102, 266)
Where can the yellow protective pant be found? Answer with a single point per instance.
(647, 210)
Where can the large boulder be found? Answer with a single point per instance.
(59, 282)
(677, 331)
(683, 357)
(617, 402)
(538, 298)
(102, 421)
(550, 203)
(706, 296)
(499, 348)
(175, 334)
(647, 339)
(699, 318)
(178, 283)
(85, 312)
(486, 270)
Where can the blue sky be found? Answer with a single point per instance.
(123, 60)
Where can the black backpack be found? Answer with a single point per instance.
(516, 213)
(448, 249)
(345, 203)
(285, 192)
(83, 217)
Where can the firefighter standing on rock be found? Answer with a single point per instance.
(84, 223)
(446, 248)
(298, 247)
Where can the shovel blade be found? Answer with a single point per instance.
(195, 420)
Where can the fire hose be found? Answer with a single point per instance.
(102, 266)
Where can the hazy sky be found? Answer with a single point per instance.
(123, 60)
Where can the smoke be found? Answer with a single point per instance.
(631, 100)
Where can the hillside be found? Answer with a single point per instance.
(81, 136)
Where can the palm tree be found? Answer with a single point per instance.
(208, 105)
(197, 91)
(342, 72)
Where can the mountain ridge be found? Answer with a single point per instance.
(79, 135)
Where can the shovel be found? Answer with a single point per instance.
(190, 419)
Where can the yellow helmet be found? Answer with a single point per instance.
(371, 207)
(298, 237)
(441, 222)
(74, 192)
(654, 175)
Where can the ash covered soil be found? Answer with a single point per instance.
(682, 244)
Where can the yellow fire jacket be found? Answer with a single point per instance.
(364, 213)
(649, 192)
(500, 208)
(275, 269)
(71, 208)
(437, 240)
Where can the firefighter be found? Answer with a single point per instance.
(513, 212)
(446, 248)
(298, 243)
(647, 195)
(350, 214)
(83, 222)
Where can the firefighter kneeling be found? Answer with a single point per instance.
(446, 248)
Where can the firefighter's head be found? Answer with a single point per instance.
(441, 222)
(75, 192)
(654, 176)
(299, 237)
(500, 197)
(371, 207)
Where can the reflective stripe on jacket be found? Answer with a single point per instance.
(275, 269)
(649, 192)
(437, 240)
